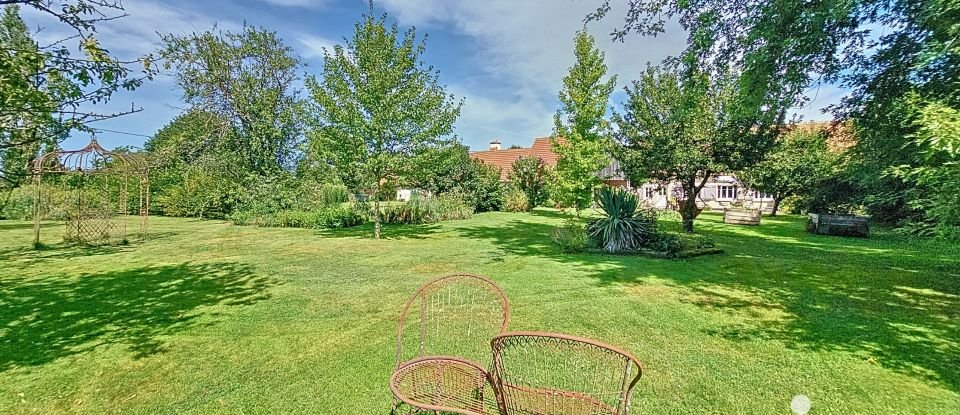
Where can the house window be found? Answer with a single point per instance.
(651, 192)
(755, 194)
(727, 192)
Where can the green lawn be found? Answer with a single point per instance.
(209, 318)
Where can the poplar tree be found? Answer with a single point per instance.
(582, 137)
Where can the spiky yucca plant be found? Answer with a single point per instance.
(624, 228)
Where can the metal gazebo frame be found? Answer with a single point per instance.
(93, 160)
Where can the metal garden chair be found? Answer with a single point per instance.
(536, 373)
(443, 345)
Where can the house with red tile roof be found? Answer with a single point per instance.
(542, 147)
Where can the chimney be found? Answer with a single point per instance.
(495, 145)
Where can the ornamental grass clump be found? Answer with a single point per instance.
(626, 225)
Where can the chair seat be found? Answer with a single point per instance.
(444, 383)
(542, 401)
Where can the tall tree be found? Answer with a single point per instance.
(582, 137)
(913, 67)
(795, 166)
(45, 90)
(247, 78)
(784, 46)
(377, 105)
(192, 170)
(675, 127)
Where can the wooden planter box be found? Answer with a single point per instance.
(839, 225)
(741, 217)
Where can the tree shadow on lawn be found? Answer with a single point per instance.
(392, 231)
(25, 255)
(895, 304)
(46, 318)
(7, 225)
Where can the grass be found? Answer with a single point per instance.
(208, 318)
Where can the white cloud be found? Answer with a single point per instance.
(136, 34)
(313, 46)
(526, 49)
(485, 117)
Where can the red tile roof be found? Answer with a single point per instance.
(504, 158)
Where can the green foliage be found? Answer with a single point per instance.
(376, 106)
(625, 226)
(483, 189)
(572, 237)
(516, 201)
(208, 188)
(531, 176)
(799, 162)
(441, 169)
(909, 78)
(936, 170)
(20, 202)
(582, 132)
(676, 127)
(771, 50)
(247, 80)
(47, 90)
(674, 245)
(420, 209)
(329, 194)
(329, 217)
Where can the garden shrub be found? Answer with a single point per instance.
(483, 187)
(326, 218)
(332, 194)
(572, 237)
(19, 203)
(626, 225)
(516, 201)
(427, 209)
(669, 244)
(673, 244)
(452, 206)
(531, 175)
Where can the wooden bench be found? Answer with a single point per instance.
(838, 225)
(741, 217)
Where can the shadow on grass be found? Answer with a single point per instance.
(29, 255)
(17, 225)
(365, 231)
(46, 318)
(891, 302)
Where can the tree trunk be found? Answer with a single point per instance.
(688, 211)
(376, 211)
(776, 205)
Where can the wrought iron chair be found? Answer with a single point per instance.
(536, 373)
(443, 345)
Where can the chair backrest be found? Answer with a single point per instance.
(553, 374)
(453, 315)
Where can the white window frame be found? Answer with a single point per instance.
(758, 195)
(724, 194)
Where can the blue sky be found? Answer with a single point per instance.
(506, 58)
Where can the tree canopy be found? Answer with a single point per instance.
(674, 128)
(581, 138)
(376, 106)
(795, 166)
(247, 79)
